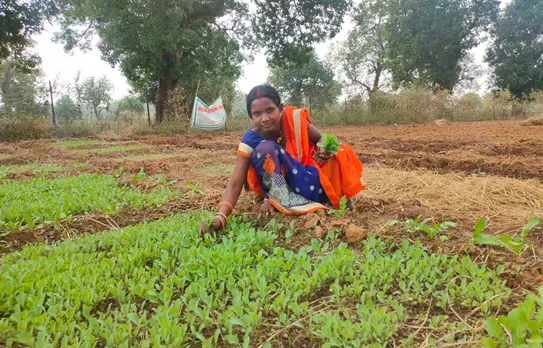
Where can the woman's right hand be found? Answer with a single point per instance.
(267, 208)
(206, 227)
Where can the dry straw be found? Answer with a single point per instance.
(506, 202)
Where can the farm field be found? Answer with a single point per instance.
(99, 245)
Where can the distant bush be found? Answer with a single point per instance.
(422, 105)
(75, 129)
(166, 127)
(24, 127)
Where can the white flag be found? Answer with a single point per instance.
(208, 117)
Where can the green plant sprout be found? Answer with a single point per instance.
(522, 327)
(517, 245)
(329, 143)
(196, 188)
(342, 208)
(141, 175)
(415, 225)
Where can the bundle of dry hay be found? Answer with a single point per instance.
(533, 121)
(507, 203)
(442, 122)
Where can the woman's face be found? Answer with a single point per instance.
(266, 115)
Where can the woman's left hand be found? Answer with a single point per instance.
(322, 156)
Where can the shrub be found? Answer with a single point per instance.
(24, 127)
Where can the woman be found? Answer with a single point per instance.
(280, 160)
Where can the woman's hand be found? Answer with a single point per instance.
(322, 156)
(267, 208)
(207, 227)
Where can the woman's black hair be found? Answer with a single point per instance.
(262, 91)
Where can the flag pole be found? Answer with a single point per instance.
(193, 103)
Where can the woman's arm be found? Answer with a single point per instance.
(314, 134)
(230, 195)
(238, 178)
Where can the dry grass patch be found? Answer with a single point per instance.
(533, 121)
(507, 203)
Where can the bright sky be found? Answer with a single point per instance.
(55, 62)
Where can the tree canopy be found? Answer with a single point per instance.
(19, 20)
(170, 43)
(308, 84)
(288, 28)
(361, 58)
(427, 39)
(517, 52)
(20, 91)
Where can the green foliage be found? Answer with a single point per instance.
(302, 84)
(97, 95)
(517, 49)
(19, 20)
(195, 189)
(197, 43)
(24, 127)
(288, 29)
(66, 109)
(329, 143)
(129, 108)
(33, 168)
(161, 284)
(427, 39)
(20, 91)
(342, 208)
(361, 58)
(431, 230)
(522, 327)
(40, 200)
(517, 245)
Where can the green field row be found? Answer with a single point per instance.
(41, 200)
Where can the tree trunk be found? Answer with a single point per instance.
(166, 86)
(96, 113)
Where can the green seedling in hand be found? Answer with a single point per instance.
(329, 143)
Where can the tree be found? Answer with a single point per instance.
(20, 91)
(288, 28)
(66, 109)
(128, 108)
(361, 58)
(428, 38)
(516, 53)
(175, 43)
(309, 84)
(97, 95)
(19, 20)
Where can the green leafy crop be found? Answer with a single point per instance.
(517, 245)
(431, 230)
(37, 201)
(329, 143)
(160, 284)
(522, 327)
